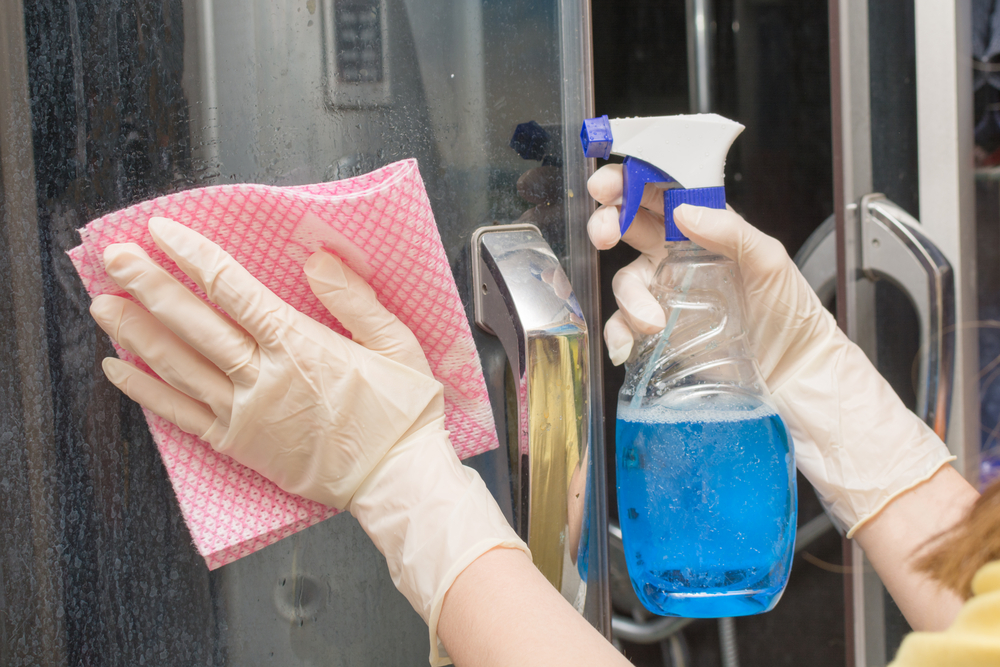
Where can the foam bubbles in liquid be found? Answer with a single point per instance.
(706, 507)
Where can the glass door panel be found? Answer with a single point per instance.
(767, 66)
(902, 107)
(106, 103)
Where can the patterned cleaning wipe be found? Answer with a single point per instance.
(382, 226)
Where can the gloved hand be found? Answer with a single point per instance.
(352, 424)
(855, 441)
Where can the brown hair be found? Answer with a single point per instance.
(957, 554)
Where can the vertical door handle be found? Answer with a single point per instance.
(894, 248)
(523, 297)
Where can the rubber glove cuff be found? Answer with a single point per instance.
(855, 441)
(430, 525)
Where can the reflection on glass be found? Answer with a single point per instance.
(556, 413)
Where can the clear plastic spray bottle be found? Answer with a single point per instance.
(705, 467)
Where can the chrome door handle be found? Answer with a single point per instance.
(523, 297)
(892, 247)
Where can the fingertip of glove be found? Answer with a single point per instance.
(618, 338)
(649, 318)
(157, 225)
(103, 309)
(118, 250)
(603, 228)
(687, 216)
(719, 230)
(619, 355)
(327, 269)
(316, 262)
(114, 370)
(605, 185)
(185, 245)
(164, 230)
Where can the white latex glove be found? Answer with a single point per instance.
(356, 424)
(855, 441)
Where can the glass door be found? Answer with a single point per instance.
(903, 126)
(766, 65)
(105, 103)
(841, 101)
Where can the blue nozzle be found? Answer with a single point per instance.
(596, 137)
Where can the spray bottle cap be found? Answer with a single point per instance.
(687, 150)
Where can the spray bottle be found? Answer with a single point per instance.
(705, 469)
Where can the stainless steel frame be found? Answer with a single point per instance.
(578, 104)
(852, 178)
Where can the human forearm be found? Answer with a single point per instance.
(501, 611)
(893, 541)
(430, 517)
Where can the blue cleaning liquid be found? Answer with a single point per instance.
(707, 505)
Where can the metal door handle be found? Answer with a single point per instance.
(523, 297)
(893, 248)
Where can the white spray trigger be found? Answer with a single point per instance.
(690, 148)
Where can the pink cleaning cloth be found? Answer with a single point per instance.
(382, 226)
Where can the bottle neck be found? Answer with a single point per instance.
(686, 248)
(688, 252)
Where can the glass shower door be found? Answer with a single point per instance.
(104, 103)
(903, 126)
